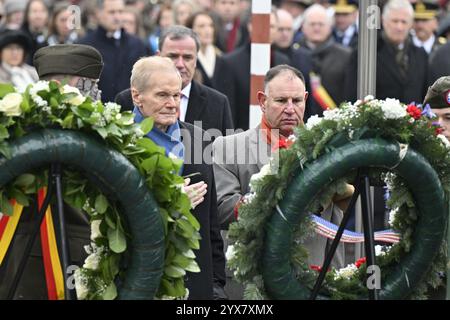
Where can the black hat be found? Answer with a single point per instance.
(15, 36)
(425, 10)
(344, 6)
(438, 95)
(71, 59)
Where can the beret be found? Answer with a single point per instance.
(438, 95)
(71, 59)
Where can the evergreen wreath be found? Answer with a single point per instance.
(51, 116)
(403, 147)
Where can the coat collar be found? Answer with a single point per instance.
(196, 104)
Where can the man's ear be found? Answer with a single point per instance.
(306, 96)
(261, 96)
(135, 96)
(158, 53)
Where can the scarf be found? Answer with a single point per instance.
(169, 140)
(274, 139)
(20, 77)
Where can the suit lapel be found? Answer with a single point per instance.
(196, 104)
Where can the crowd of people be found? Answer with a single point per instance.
(186, 63)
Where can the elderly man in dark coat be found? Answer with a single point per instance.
(156, 94)
(402, 68)
(329, 59)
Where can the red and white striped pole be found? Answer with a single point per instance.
(260, 55)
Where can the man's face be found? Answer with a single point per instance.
(397, 24)
(284, 104)
(344, 20)
(317, 27)
(183, 53)
(160, 99)
(443, 115)
(228, 10)
(424, 28)
(285, 32)
(110, 16)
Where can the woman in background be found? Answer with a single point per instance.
(35, 25)
(62, 29)
(209, 56)
(14, 45)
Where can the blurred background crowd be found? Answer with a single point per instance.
(319, 37)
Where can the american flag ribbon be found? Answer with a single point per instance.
(329, 230)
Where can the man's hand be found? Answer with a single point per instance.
(343, 200)
(196, 192)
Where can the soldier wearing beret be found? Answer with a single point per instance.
(438, 97)
(77, 64)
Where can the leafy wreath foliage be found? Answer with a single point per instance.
(52, 105)
(387, 119)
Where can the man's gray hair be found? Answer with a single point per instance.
(275, 71)
(398, 4)
(314, 8)
(178, 32)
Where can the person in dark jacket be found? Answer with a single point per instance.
(329, 59)
(440, 63)
(402, 68)
(78, 65)
(155, 88)
(119, 49)
(233, 78)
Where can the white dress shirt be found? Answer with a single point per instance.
(184, 101)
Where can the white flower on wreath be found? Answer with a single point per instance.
(347, 272)
(313, 121)
(444, 140)
(332, 114)
(39, 86)
(95, 229)
(265, 170)
(393, 109)
(76, 100)
(10, 104)
(392, 215)
(81, 282)
(380, 250)
(95, 255)
(231, 253)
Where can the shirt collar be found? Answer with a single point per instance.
(187, 90)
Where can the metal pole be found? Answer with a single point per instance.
(369, 21)
(56, 173)
(330, 254)
(369, 242)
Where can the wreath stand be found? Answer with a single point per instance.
(362, 187)
(54, 189)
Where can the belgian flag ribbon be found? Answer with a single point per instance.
(52, 264)
(319, 92)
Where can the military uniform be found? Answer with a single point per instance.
(70, 60)
(438, 95)
(424, 12)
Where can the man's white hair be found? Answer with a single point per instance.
(317, 8)
(398, 4)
